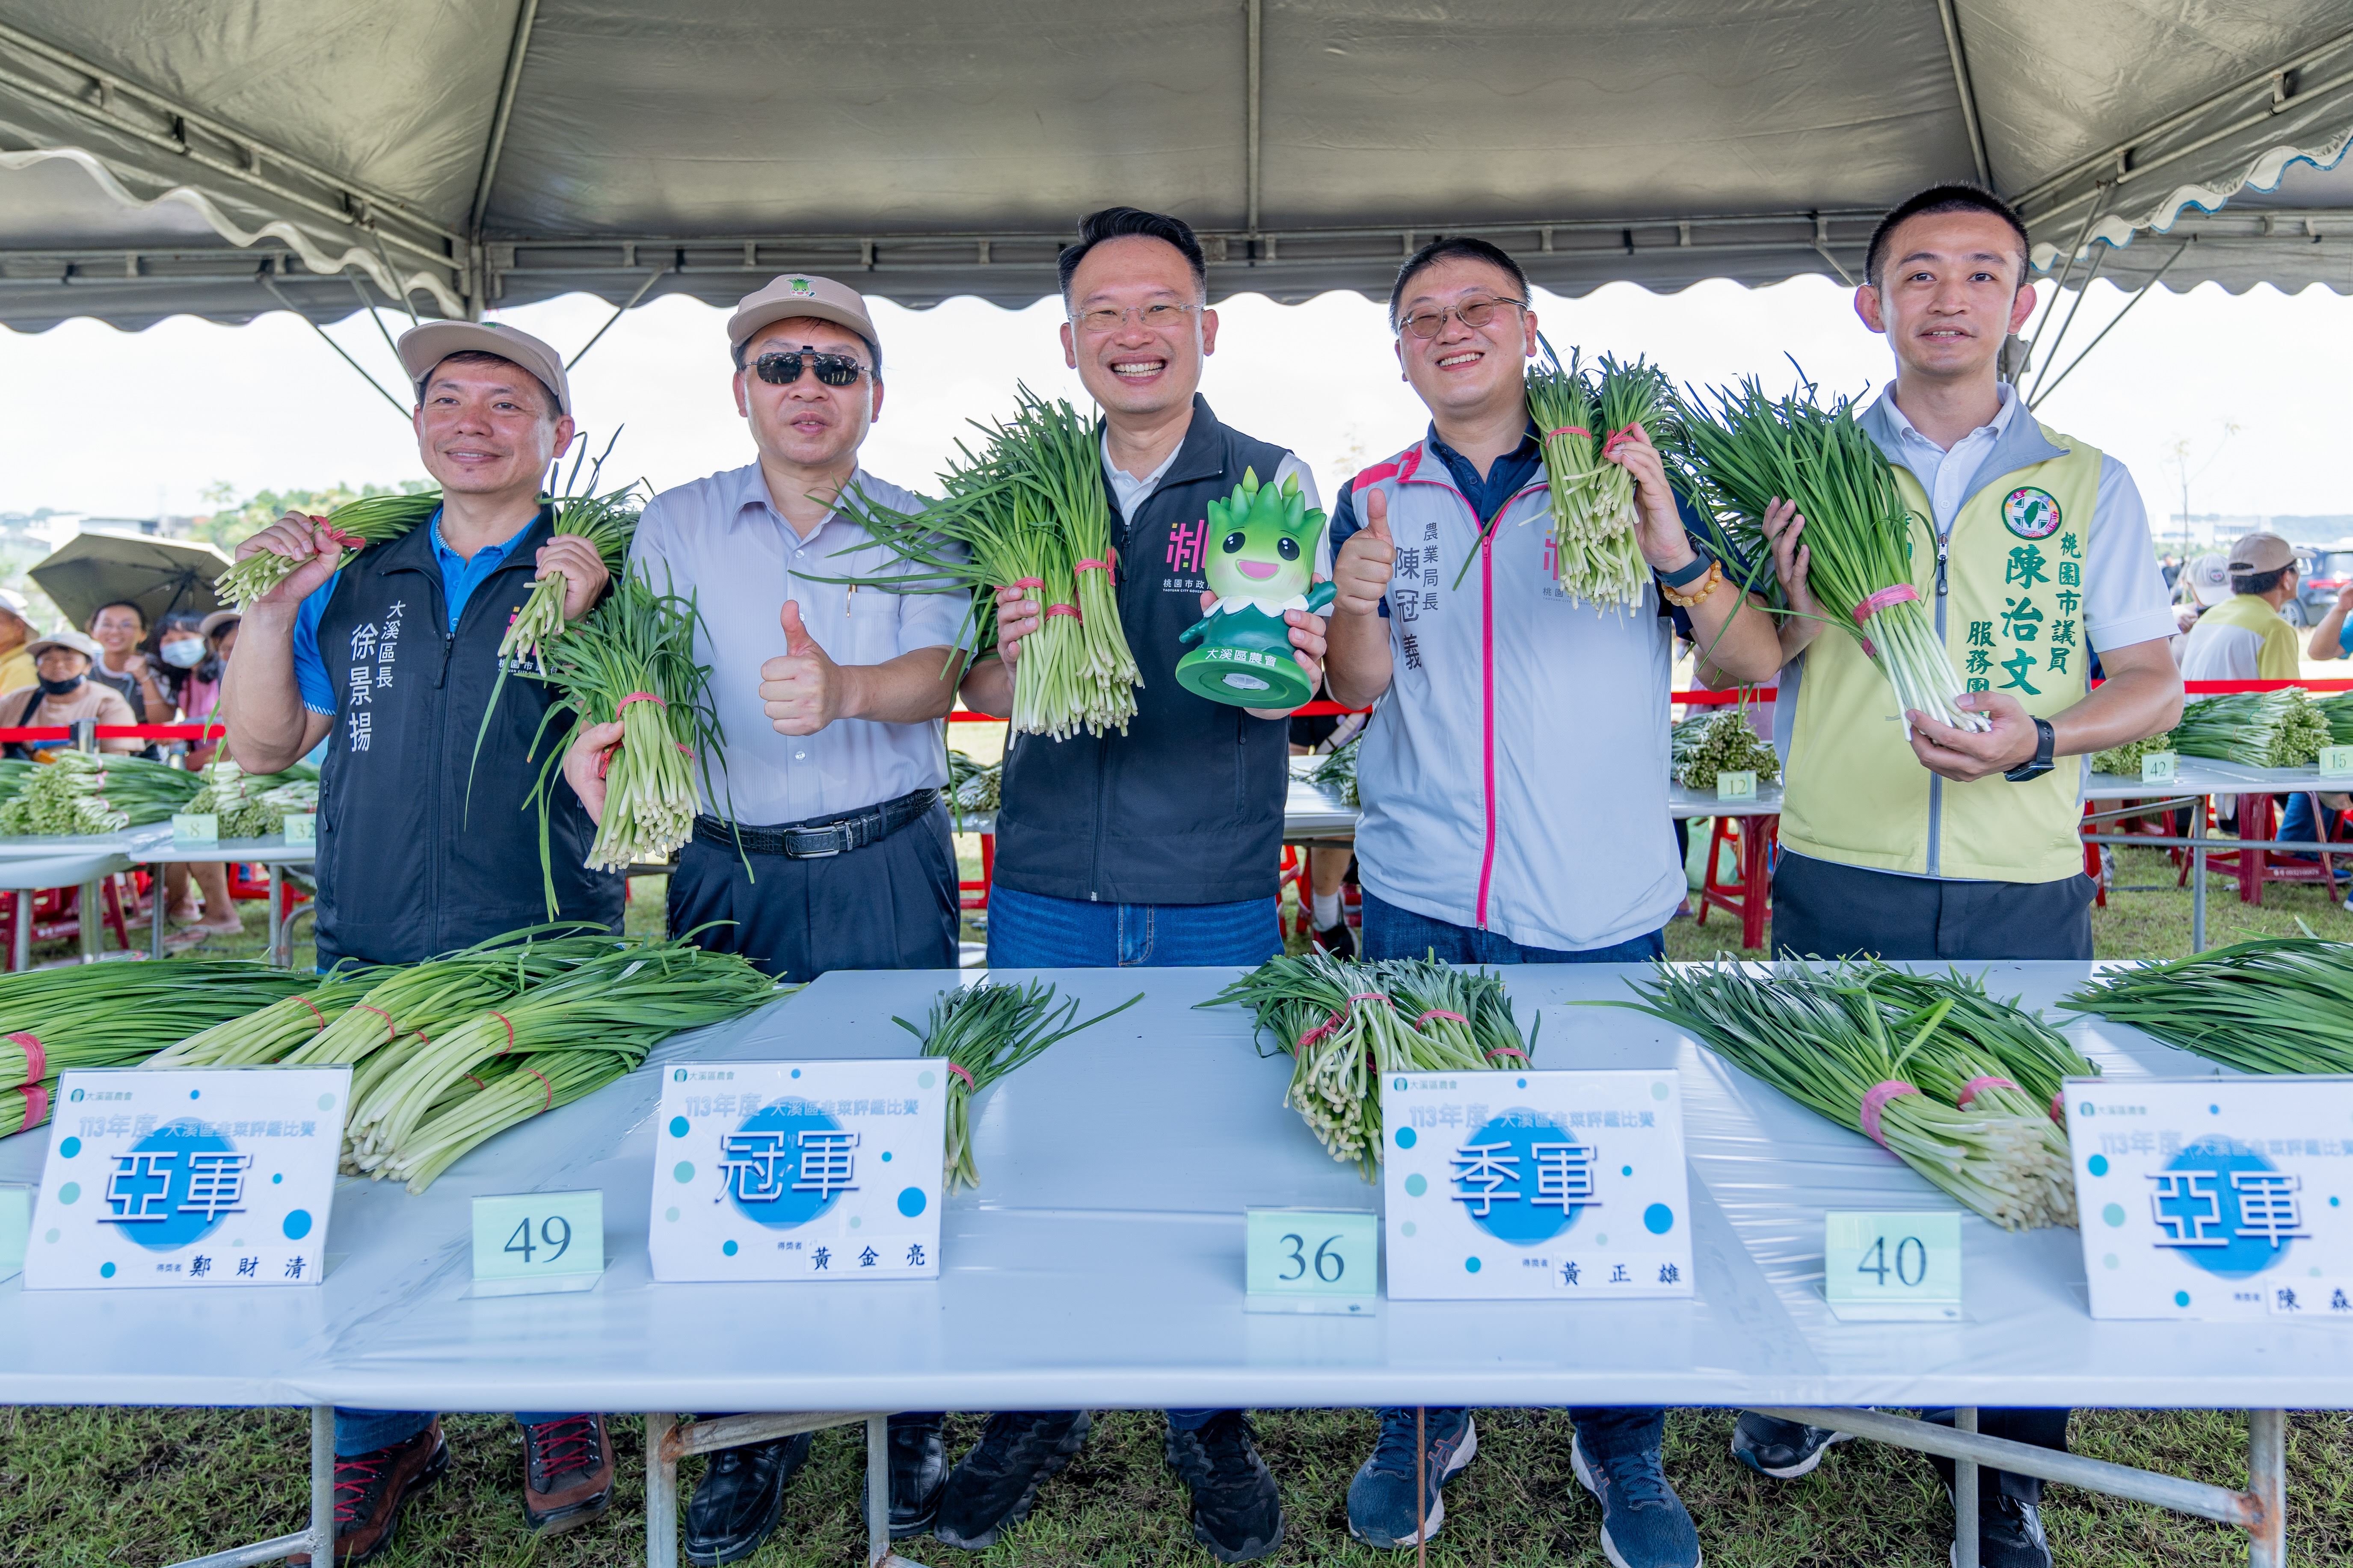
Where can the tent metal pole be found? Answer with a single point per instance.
(526, 15)
(279, 295)
(2035, 401)
(369, 305)
(1257, 27)
(391, 277)
(2034, 343)
(2082, 291)
(1968, 91)
(652, 278)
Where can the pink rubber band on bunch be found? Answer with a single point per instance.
(1439, 1013)
(1108, 566)
(1970, 1089)
(391, 1031)
(36, 1106)
(1319, 1030)
(314, 1010)
(1876, 1100)
(1509, 1051)
(963, 1075)
(502, 1018)
(1623, 433)
(35, 1058)
(1069, 610)
(1902, 593)
(2059, 1108)
(348, 540)
(1028, 582)
(550, 1101)
(1569, 431)
(638, 697)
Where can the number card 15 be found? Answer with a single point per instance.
(527, 1243)
(1892, 1267)
(1312, 1260)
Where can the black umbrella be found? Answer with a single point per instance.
(159, 575)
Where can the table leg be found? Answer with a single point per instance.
(89, 920)
(1756, 879)
(1965, 1496)
(2267, 1480)
(2198, 876)
(877, 1489)
(155, 916)
(21, 943)
(661, 1495)
(277, 920)
(322, 1482)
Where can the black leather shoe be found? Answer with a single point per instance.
(737, 1502)
(1237, 1509)
(919, 1474)
(992, 1486)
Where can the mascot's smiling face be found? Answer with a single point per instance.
(1262, 542)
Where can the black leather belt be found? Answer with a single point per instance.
(815, 841)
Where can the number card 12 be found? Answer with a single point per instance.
(1312, 1260)
(527, 1243)
(1892, 1267)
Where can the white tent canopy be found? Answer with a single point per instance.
(238, 156)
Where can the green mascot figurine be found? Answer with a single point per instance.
(1261, 559)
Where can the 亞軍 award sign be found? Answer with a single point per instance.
(1554, 1186)
(2215, 1198)
(200, 1178)
(810, 1171)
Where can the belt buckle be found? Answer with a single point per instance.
(838, 831)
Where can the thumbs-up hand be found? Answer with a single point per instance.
(1361, 574)
(802, 690)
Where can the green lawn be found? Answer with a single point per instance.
(135, 1488)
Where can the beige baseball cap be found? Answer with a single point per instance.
(799, 294)
(423, 347)
(73, 641)
(2261, 553)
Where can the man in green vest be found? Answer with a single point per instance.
(1911, 838)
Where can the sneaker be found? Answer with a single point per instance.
(1644, 1523)
(739, 1497)
(1381, 1499)
(919, 1474)
(992, 1486)
(2009, 1534)
(371, 1489)
(568, 1474)
(1340, 940)
(1781, 1449)
(1237, 1511)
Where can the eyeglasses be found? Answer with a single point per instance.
(1475, 314)
(784, 369)
(1163, 317)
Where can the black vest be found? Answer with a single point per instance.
(407, 867)
(1186, 808)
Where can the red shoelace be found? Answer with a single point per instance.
(358, 1477)
(559, 1447)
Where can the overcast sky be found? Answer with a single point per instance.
(113, 423)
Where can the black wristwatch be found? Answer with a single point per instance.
(2040, 763)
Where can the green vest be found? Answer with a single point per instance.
(2009, 613)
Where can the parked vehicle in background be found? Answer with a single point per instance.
(2326, 569)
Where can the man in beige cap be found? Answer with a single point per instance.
(63, 693)
(2245, 637)
(392, 662)
(831, 700)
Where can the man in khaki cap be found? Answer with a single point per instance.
(392, 662)
(831, 700)
(2245, 637)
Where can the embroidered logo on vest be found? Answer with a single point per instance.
(2030, 512)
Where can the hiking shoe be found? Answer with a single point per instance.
(2009, 1534)
(371, 1489)
(1381, 1499)
(1644, 1523)
(919, 1474)
(1781, 1449)
(739, 1497)
(1340, 940)
(992, 1486)
(568, 1474)
(1237, 1511)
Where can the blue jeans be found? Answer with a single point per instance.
(1031, 931)
(365, 1431)
(1393, 933)
(2299, 823)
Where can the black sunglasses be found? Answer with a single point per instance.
(784, 369)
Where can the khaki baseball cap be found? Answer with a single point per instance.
(799, 294)
(2261, 553)
(423, 347)
(73, 642)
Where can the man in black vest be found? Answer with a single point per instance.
(1160, 845)
(391, 661)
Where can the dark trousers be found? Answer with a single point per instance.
(1393, 933)
(891, 905)
(1824, 909)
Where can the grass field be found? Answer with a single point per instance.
(133, 1486)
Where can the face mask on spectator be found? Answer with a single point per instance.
(184, 653)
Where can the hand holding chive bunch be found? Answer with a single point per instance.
(1581, 419)
(1880, 1055)
(608, 522)
(1346, 1024)
(2273, 1005)
(353, 526)
(984, 1032)
(1749, 451)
